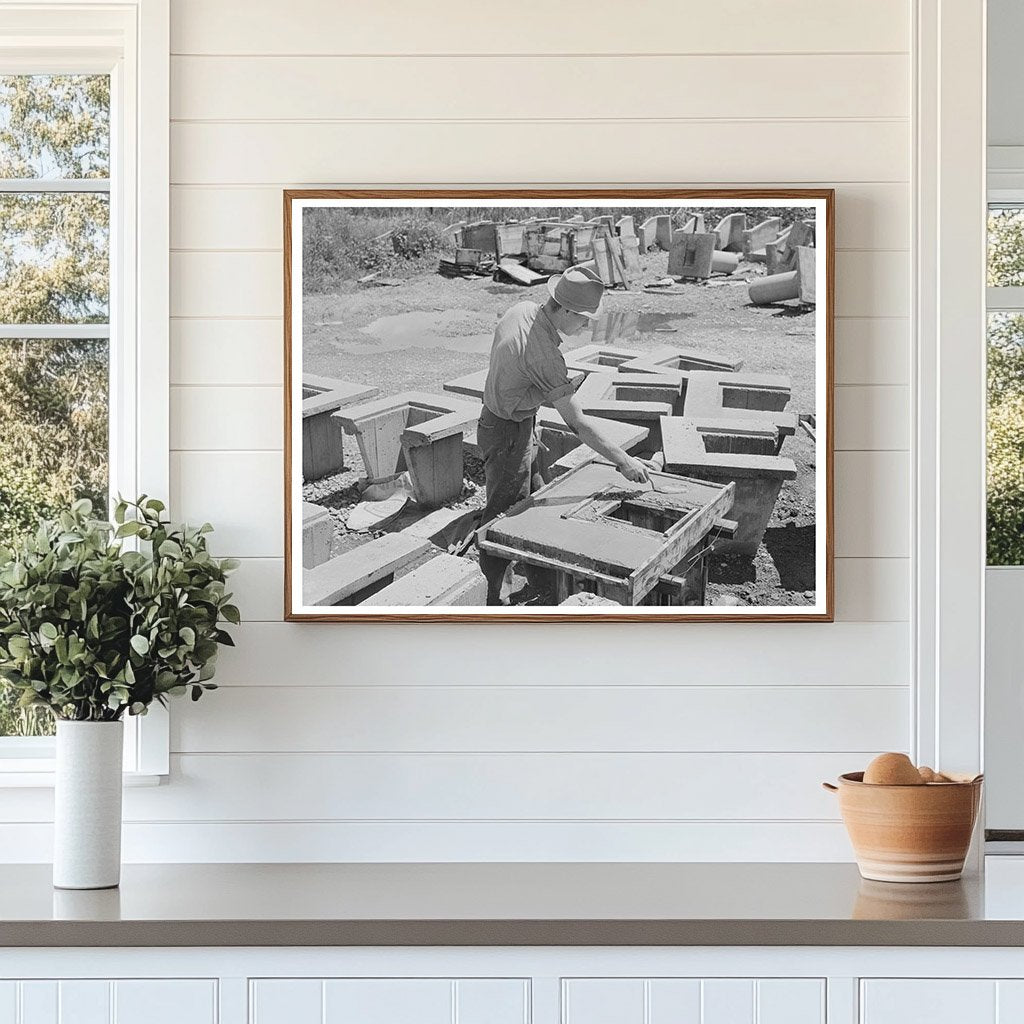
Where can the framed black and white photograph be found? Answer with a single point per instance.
(569, 405)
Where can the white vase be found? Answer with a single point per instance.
(87, 805)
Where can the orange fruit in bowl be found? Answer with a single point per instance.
(893, 770)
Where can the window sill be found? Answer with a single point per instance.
(39, 777)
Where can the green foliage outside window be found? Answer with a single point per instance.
(1005, 478)
(54, 269)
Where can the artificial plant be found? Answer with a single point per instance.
(91, 627)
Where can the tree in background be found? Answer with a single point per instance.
(1005, 476)
(53, 270)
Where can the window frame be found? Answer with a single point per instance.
(130, 41)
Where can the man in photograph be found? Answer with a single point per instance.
(527, 370)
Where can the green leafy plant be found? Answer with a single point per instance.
(92, 630)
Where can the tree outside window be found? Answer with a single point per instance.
(54, 307)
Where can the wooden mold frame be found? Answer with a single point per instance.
(597, 532)
(562, 197)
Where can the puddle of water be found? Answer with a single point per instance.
(617, 326)
(437, 328)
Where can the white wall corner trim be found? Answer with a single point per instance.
(950, 325)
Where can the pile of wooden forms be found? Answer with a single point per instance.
(530, 251)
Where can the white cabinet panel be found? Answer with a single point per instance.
(929, 1001)
(603, 1001)
(84, 1002)
(165, 1002)
(790, 1001)
(492, 1001)
(1009, 1002)
(674, 1000)
(727, 1001)
(8, 1002)
(285, 1001)
(38, 1002)
(388, 1001)
(694, 1001)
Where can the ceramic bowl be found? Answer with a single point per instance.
(909, 833)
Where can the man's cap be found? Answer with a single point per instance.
(579, 289)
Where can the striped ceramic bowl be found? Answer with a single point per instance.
(909, 833)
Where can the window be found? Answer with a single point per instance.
(84, 125)
(54, 308)
(1005, 477)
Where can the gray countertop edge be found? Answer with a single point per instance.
(511, 933)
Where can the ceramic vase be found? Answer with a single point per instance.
(87, 805)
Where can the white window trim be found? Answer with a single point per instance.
(949, 443)
(131, 41)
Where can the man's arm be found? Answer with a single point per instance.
(591, 432)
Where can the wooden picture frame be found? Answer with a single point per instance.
(725, 451)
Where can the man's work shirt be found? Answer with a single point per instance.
(526, 367)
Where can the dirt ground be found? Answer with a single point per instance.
(430, 329)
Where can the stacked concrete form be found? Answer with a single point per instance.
(321, 435)
(415, 431)
(790, 263)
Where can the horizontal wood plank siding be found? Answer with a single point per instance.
(637, 742)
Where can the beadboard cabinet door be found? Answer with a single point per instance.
(942, 1001)
(101, 1001)
(693, 1001)
(388, 1001)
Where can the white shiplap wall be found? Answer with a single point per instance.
(688, 741)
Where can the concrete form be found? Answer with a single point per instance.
(757, 237)
(663, 231)
(805, 268)
(781, 256)
(739, 396)
(418, 431)
(625, 226)
(597, 358)
(472, 384)
(444, 580)
(791, 284)
(715, 450)
(357, 574)
(691, 254)
(649, 232)
(730, 232)
(724, 262)
(640, 399)
(695, 225)
(317, 534)
(668, 358)
(321, 436)
(596, 531)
